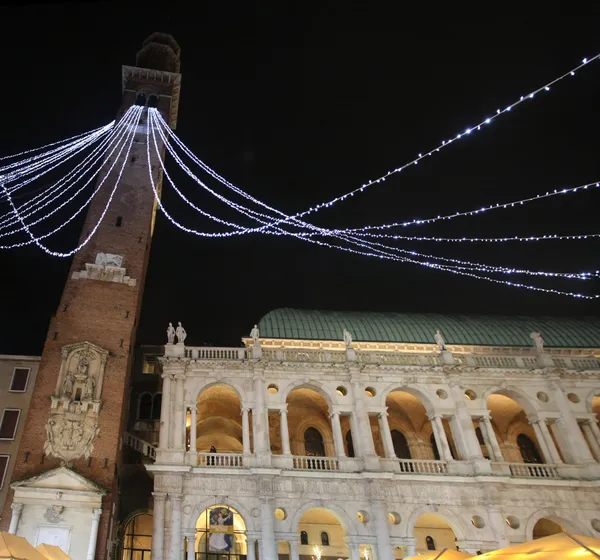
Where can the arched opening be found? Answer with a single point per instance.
(349, 444)
(309, 424)
(219, 421)
(140, 99)
(220, 534)
(401, 448)
(516, 438)
(528, 450)
(153, 100)
(319, 527)
(546, 527)
(145, 407)
(412, 433)
(433, 533)
(137, 538)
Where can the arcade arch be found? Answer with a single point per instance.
(321, 527)
(433, 532)
(137, 538)
(219, 420)
(546, 527)
(220, 530)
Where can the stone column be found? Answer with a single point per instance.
(488, 431)
(176, 536)
(338, 438)
(572, 440)
(356, 443)
(158, 526)
(165, 412)
(250, 548)
(589, 436)
(461, 425)
(411, 546)
(498, 526)
(193, 426)
(388, 444)
(269, 546)
(363, 424)
(285, 432)
(440, 437)
(546, 442)
(294, 554)
(178, 428)
(245, 431)
(384, 547)
(353, 549)
(191, 545)
(91, 553)
(261, 426)
(14, 519)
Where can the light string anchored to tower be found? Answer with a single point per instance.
(110, 146)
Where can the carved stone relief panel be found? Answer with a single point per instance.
(72, 425)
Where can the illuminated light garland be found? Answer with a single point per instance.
(39, 161)
(546, 237)
(50, 233)
(383, 254)
(467, 131)
(40, 204)
(138, 111)
(58, 158)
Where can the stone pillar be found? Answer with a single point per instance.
(498, 526)
(592, 436)
(158, 526)
(193, 426)
(440, 437)
(14, 520)
(488, 432)
(384, 547)
(572, 440)
(91, 553)
(356, 443)
(176, 536)
(190, 537)
(250, 548)
(261, 426)
(353, 549)
(164, 441)
(546, 442)
(178, 428)
(245, 431)
(363, 425)
(411, 546)
(338, 438)
(285, 432)
(388, 444)
(461, 425)
(269, 546)
(294, 554)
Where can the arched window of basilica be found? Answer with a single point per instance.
(528, 450)
(145, 407)
(324, 539)
(137, 540)
(313, 443)
(430, 543)
(303, 537)
(401, 448)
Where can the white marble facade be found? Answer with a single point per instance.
(376, 496)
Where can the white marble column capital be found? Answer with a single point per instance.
(16, 507)
(96, 513)
(167, 375)
(283, 409)
(176, 497)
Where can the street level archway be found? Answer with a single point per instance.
(220, 534)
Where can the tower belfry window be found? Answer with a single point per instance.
(140, 99)
(153, 101)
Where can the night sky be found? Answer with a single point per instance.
(299, 102)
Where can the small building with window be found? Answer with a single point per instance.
(17, 379)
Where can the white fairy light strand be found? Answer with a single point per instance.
(138, 111)
(43, 199)
(531, 238)
(130, 119)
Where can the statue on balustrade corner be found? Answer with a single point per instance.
(180, 333)
(439, 340)
(538, 341)
(347, 338)
(255, 335)
(170, 334)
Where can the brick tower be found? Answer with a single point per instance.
(64, 475)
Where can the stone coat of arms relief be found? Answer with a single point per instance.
(72, 425)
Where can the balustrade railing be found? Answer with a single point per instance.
(221, 460)
(420, 466)
(145, 448)
(210, 353)
(316, 463)
(528, 470)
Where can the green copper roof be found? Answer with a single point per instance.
(485, 330)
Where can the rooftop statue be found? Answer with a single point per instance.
(180, 333)
(439, 340)
(170, 334)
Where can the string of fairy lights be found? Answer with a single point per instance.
(85, 162)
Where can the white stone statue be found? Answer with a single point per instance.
(90, 387)
(83, 365)
(255, 334)
(347, 338)
(67, 386)
(439, 340)
(180, 333)
(538, 341)
(170, 334)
